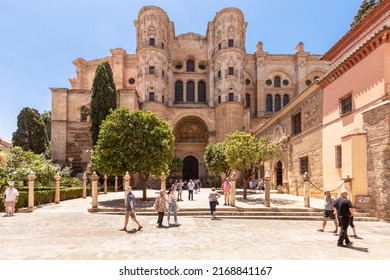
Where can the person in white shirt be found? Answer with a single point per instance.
(10, 198)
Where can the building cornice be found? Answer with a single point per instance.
(375, 41)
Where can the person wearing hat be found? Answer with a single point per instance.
(130, 209)
(343, 209)
(10, 198)
(328, 211)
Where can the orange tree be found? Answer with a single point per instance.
(139, 142)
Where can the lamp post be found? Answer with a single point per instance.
(267, 179)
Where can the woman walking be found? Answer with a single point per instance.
(160, 206)
(213, 200)
(172, 206)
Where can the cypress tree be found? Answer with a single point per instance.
(103, 98)
(31, 132)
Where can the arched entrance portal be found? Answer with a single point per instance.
(190, 170)
(279, 173)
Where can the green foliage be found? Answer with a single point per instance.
(176, 165)
(138, 142)
(244, 152)
(19, 163)
(31, 133)
(215, 158)
(365, 7)
(103, 98)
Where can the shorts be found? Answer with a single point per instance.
(329, 214)
(9, 203)
(130, 214)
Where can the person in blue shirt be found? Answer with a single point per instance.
(130, 209)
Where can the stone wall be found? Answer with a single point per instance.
(377, 126)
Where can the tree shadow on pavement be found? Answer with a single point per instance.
(120, 203)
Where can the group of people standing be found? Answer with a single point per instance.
(342, 209)
(192, 185)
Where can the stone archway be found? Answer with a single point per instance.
(190, 168)
(191, 138)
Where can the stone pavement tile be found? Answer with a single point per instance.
(68, 231)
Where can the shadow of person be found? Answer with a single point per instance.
(360, 249)
(132, 231)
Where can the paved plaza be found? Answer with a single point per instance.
(67, 231)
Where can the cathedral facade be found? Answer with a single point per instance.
(205, 86)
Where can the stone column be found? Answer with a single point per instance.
(31, 182)
(267, 179)
(57, 178)
(347, 185)
(163, 179)
(105, 183)
(233, 179)
(116, 183)
(95, 182)
(84, 185)
(306, 182)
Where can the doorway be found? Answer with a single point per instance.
(191, 169)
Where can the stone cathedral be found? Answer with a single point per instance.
(205, 86)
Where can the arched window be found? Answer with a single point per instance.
(190, 91)
(277, 81)
(202, 91)
(247, 100)
(190, 65)
(278, 103)
(268, 103)
(286, 99)
(179, 91)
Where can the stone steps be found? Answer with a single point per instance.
(247, 213)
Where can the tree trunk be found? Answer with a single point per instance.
(245, 187)
(144, 177)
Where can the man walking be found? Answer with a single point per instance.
(343, 209)
(130, 209)
(328, 211)
(10, 198)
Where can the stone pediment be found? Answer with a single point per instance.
(190, 36)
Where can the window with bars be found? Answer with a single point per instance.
(304, 165)
(231, 96)
(296, 123)
(152, 41)
(345, 105)
(338, 157)
(231, 71)
(231, 43)
(151, 96)
(152, 70)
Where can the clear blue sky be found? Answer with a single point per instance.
(40, 39)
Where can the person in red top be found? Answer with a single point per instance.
(226, 186)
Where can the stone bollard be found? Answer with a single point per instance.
(84, 186)
(116, 183)
(57, 178)
(267, 179)
(105, 183)
(306, 182)
(233, 179)
(31, 182)
(163, 181)
(95, 182)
